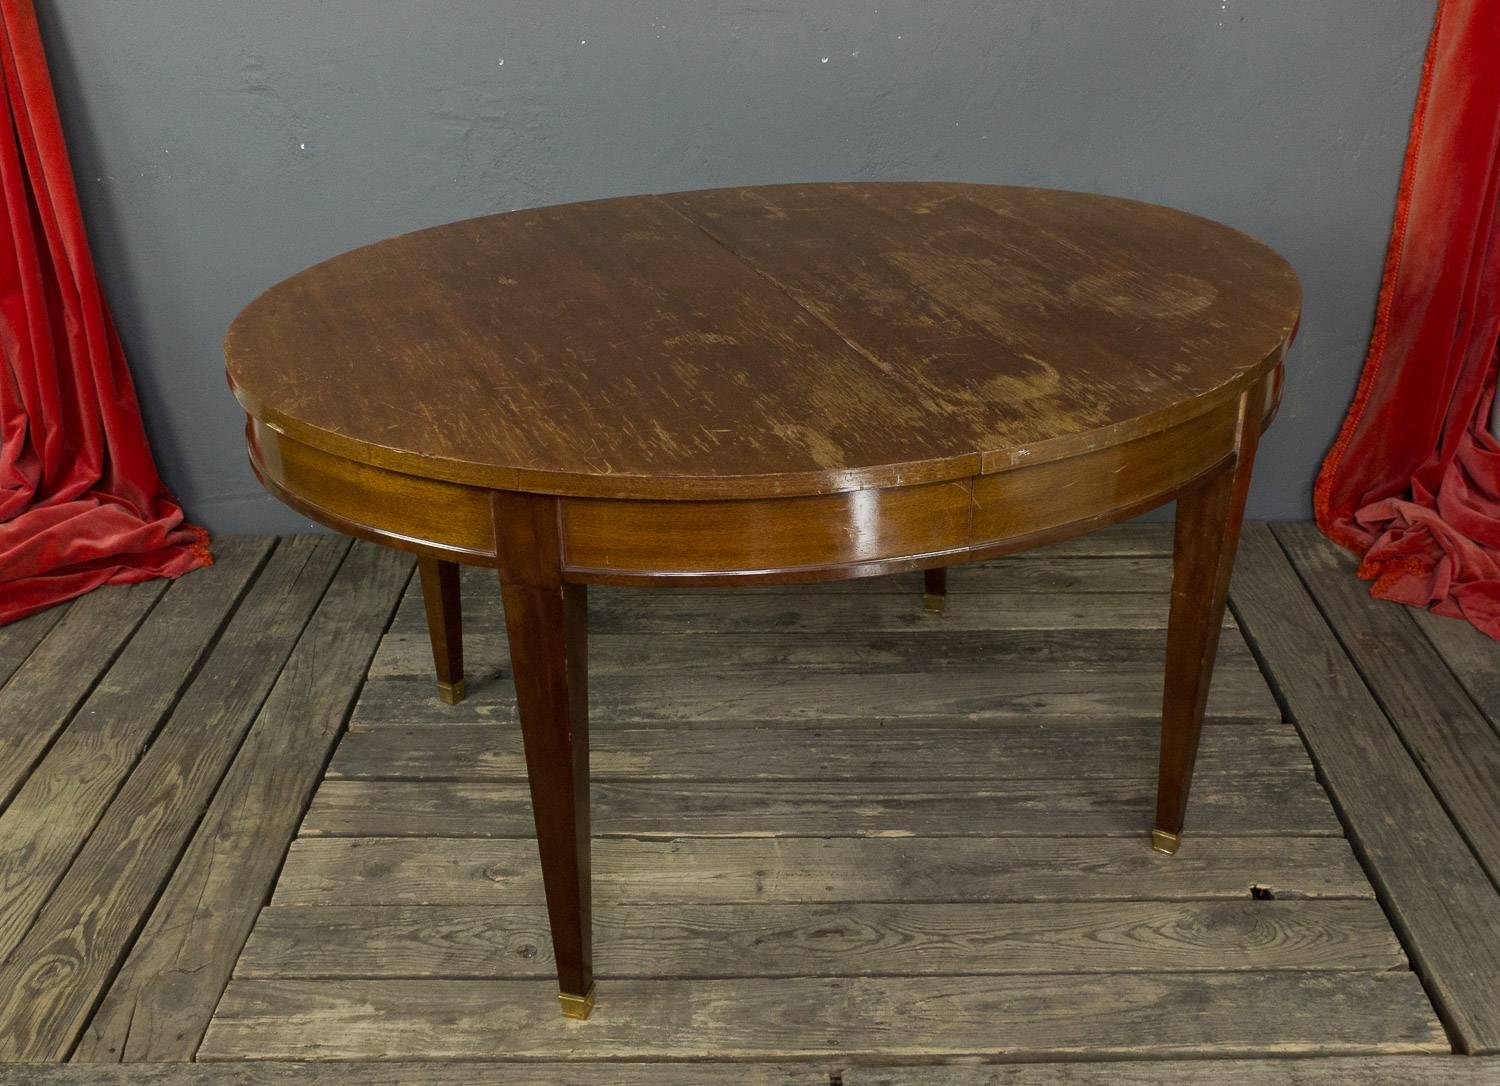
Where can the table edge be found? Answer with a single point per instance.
(781, 485)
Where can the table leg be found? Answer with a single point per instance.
(935, 590)
(445, 625)
(1209, 515)
(547, 622)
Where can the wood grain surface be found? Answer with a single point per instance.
(50, 983)
(1436, 891)
(764, 342)
(765, 750)
(1327, 1071)
(1013, 1017)
(60, 671)
(426, 1073)
(672, 611)
(1469, 653)
(1456, 746)
(159, 1004)
(861, 893)
(19, 638)
(405, 655)
(466, 871)
(1365, 1070)
(53, 813)
(1011, 693)
(844, 939)
(1252, 804)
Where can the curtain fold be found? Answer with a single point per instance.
(81, 504)
(1412, 484)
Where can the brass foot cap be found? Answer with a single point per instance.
(575, 1006)
(451, 693)
(1166, 842)
(934, 602)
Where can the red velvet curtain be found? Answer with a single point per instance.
(1412, 484)
(81, 504)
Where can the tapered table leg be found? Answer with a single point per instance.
(445, 625)
(1209, 515)
(935, 590)
(547, 622)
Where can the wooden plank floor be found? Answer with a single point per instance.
(834, 834)
(1400, 815)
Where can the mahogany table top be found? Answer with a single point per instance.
(759, 342)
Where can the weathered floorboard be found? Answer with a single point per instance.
(676, 610)
(1035, 571)
(791, 889)
(409, 655)
(456, 871)
(999, 694)
(1456, 747)
(1473, 657)
(159, 1004)
(1438, 896)
(18, 639)
(844, 939)
(1428, 1070)
(417, 1073)
(1327, 1071)
(50, 983)
(1011, 1017)
(1293, 804)
(59, 805)
(767, 750)
(59, 672)
(1021, 573)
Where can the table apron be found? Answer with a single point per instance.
(430, 517)
(821, 537)
(866, 532)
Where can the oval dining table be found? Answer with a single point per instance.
(767, 385)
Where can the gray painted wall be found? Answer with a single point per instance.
(221, 145)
